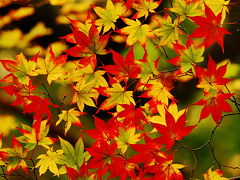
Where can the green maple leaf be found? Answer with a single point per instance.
(184, 8)
(148, 67)
(187, 56)
(15, 156)
(168, 30)
(74, 156)
(36, 135)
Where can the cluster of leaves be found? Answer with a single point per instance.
(144, 113)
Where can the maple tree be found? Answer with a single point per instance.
(144, 129)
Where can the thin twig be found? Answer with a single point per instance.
(4, 175)
(234, 99)
(34, 169)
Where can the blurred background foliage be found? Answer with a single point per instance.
(30, 26)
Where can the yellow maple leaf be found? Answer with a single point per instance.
(136, 31)
(213, 175)
(158, 90)
(108, 16)
(144, 7)
(84, 93)
(127, 136)
(50, 161)
(50, 66)
(71, 117)
(21, 68)
(117, 95)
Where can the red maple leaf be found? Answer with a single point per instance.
(123, 168)
(38, 106)
(88, 46)
(210, 28)
(74, 174)
(123, 68)
(132, 115)
(147, 152)
(16, 157)
(165, 169)
(21, 91)
(214, 105)
(212, 77)
(104, 131)
(101, 156)
(174, 129)
(127, 3)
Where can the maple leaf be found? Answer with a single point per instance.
(21, 91)
(147, 152)
(88, 45)
(165, 169)
(101, 156)
(185, 8)
(148, 67)
(50, 66)
(108, 16)
(218, 6)
(21, 68)
(127, 3)
(117, 95)
(123, 168)
(136, 31)
(161, 109)
(214, 175)
(212, 78)
(104, 131)
(38, 106)
(82, 173)
(50, 161)
(15, 157)
(74, 157)
(79, 26)
(36, 135)
(144, 7)
(173, 130)
(71, 117)
(158, 90)
(187, 56)
(130, 115)
(126, 137)
(210, 28)
(123, 68)
(89, 74)
(214, 105)
(168, 30)
(83, 94)
(3, 155)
